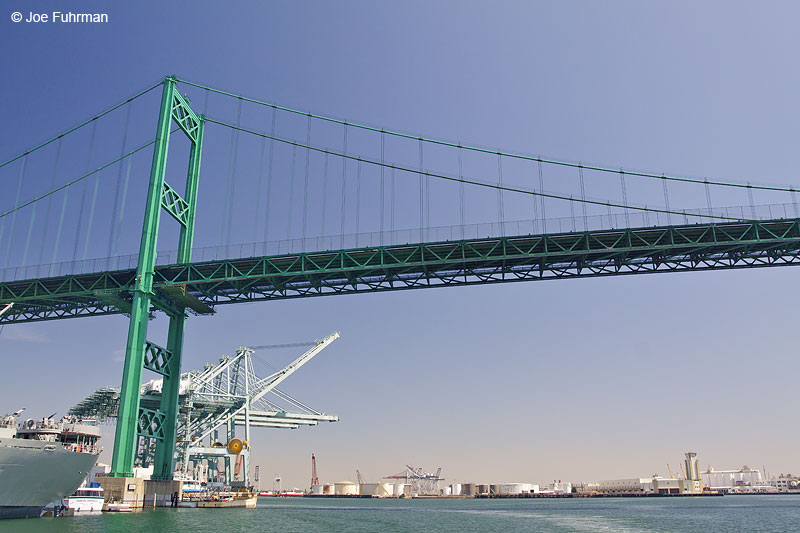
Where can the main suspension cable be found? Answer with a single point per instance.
(82, 124)
(488, 151)
(80, 178)
(429, 174)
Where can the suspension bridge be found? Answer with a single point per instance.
(295, 204)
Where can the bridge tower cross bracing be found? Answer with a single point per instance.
(134, 422)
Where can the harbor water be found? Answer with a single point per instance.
(725, 514)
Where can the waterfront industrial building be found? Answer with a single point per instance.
(691, 484)
(727, 479)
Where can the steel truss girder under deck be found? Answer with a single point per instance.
(464, 262)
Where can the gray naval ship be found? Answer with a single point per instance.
(42, 461)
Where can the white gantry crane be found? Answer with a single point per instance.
(212, 403)
(234, 384)
(6, 308)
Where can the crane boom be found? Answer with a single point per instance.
(270, 382)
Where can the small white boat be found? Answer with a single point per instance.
(117, 507)
(86, 500)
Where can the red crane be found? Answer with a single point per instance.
(314, 478)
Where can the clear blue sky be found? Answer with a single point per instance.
(578, 380)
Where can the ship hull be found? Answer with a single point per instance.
(35, 473)
(11, 511)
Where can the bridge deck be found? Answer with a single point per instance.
(203, 285)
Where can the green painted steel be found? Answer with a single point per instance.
(126, 431)
(150, 423)
(173, 204)
(462, 262)
(134, 422)
(157, 359)
(164, 460)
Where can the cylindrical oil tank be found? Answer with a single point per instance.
(385, 490)
(447, 491)
(329, 489)
(346, 488)
(316, 489)
(455, 489)
(402, 489)
(368, 489)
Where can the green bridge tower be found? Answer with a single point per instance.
(134, 422)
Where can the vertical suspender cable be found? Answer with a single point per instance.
(123, 203)
(391, 210)
(572, 212)
(541, 190)
(115, 210)
(535, 205)
(291, 192)
(344, 184)
(624, 197)
(708, 197)
(257, 218)
(358, 198)
(500, 206)
(14, 215)
(421, 193)
(753, 205)
(232, 183)
(583, 199)
(46, 225)
(269, 175)
(91, 217)
(794, 203)
(427, 205)
(222, 226)
(324, 194)
(305, 185)
(383, 194)
(3, 220)
(83, 196)
(461, 188)
(28, 239)
(666, 198)
(61, 216)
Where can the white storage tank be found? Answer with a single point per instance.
(377, 490)
(346, 488)
(329, 489)
(514, 488)
(316, 489)
(368, 489)
(455, 489)
(403, 489)
(385, 490)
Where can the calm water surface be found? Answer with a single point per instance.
(728, 513)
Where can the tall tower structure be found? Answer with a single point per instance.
(693, 472)
(314, 478)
